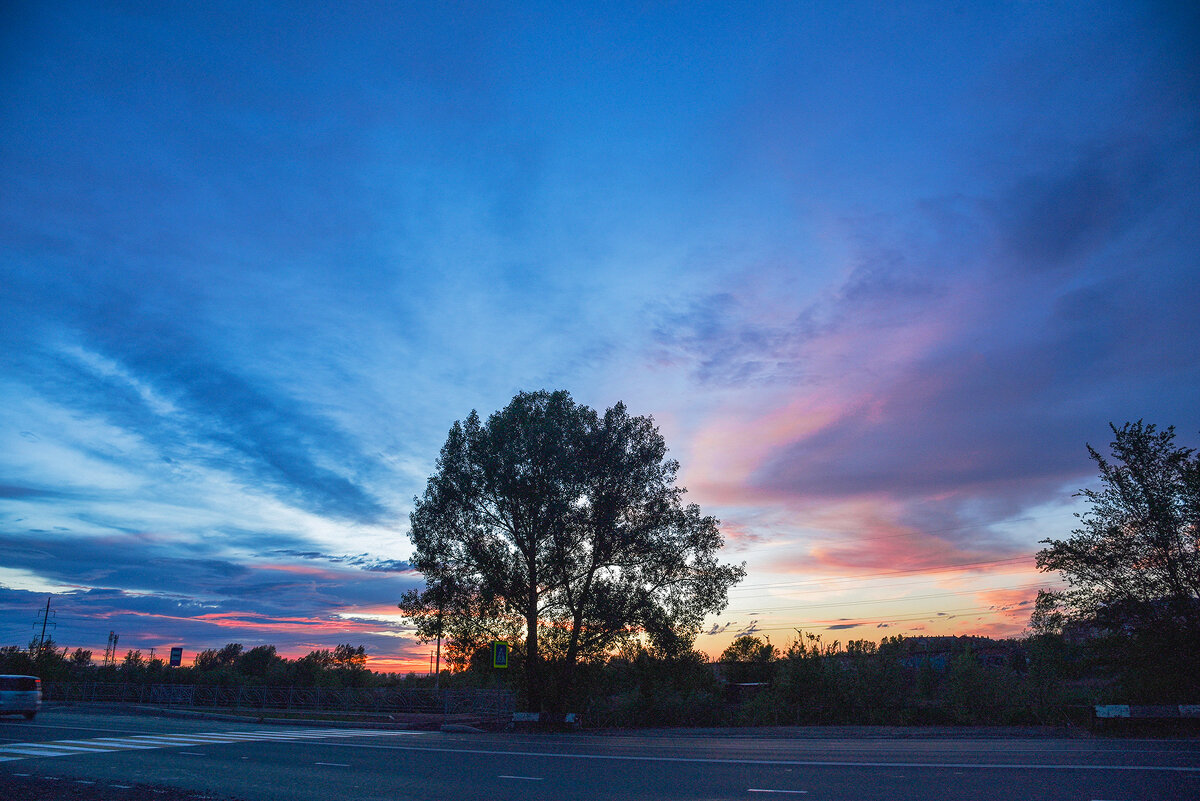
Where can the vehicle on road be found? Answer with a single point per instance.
(20, 695)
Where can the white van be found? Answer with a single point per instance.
(20, 695)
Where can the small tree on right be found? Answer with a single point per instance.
(1132, 566)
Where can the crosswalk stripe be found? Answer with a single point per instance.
(44, 751)
(147, 742)
(82, 749)
(176, 740)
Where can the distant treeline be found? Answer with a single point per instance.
(343, 666)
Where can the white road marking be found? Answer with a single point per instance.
(334, 764)
(146, 742)
(794, 792)
(35, 751)
(122, 743)
(523, 778)
(83, 749)
(804, 763)
(191, 753)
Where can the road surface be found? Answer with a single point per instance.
(258, 762)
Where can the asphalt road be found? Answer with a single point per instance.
(254, 761)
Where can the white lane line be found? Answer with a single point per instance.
(523, 778)
(781, 762)
(334, 764)
(191, 753)
(792, 792)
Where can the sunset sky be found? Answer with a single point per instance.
(879, 271)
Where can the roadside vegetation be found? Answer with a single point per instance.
(1046, 679)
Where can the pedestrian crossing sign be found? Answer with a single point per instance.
(499, 654)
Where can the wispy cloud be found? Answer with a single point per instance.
(946, 348)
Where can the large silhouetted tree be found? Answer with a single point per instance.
(561, 529)
(1133, 565)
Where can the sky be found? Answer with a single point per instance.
(879, 272)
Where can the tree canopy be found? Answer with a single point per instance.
(562, 531)
(748, 648)
(1133, 565)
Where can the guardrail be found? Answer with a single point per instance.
(1146, 718)
(492, 703)
(1153, 712)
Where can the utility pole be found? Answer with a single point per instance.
(110, 649)
(45, 615)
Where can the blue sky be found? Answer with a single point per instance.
(878, 271)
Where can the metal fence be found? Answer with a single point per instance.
(497, 703)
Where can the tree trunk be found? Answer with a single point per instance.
(533, 671)
(568, 681)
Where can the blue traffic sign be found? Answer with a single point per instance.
(499, 654)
